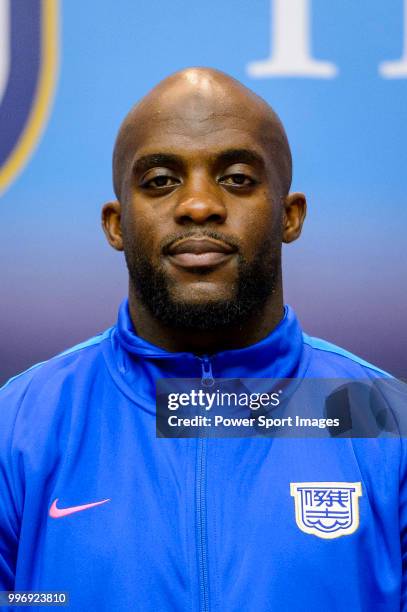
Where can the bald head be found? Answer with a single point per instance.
(192, 104)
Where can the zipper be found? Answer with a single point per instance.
(207, 376)
(201, 524)
(200, 495)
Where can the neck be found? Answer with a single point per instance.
(173, 339)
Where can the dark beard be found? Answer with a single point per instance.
(256, 281)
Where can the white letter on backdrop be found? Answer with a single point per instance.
(397, 69)
(290, 53)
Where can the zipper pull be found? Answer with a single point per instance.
(207, 376)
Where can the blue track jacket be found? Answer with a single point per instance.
(94, 504)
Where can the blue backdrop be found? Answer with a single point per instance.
(335, 73)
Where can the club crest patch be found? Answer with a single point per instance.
(28, 61)
(327, 509)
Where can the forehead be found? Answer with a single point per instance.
(195, 126)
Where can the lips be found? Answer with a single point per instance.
(200, 252)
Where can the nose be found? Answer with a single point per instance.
(200, 205)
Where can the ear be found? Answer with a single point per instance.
(294, 211)
(111, 214)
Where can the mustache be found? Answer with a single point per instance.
(169, 240)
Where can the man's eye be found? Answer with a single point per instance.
(237, 180)
(160, 181)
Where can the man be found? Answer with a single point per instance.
(92, 502)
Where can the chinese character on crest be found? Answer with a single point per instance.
(327, 509)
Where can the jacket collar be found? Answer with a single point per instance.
(136, 363)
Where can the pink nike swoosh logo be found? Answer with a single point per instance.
(55, 512)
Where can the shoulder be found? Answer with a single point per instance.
(51, 374)
(332, 360)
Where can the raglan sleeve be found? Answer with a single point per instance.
(403, 522)
(11, 487)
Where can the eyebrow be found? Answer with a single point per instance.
(154, 160)
(236, 156)
(225, 158)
